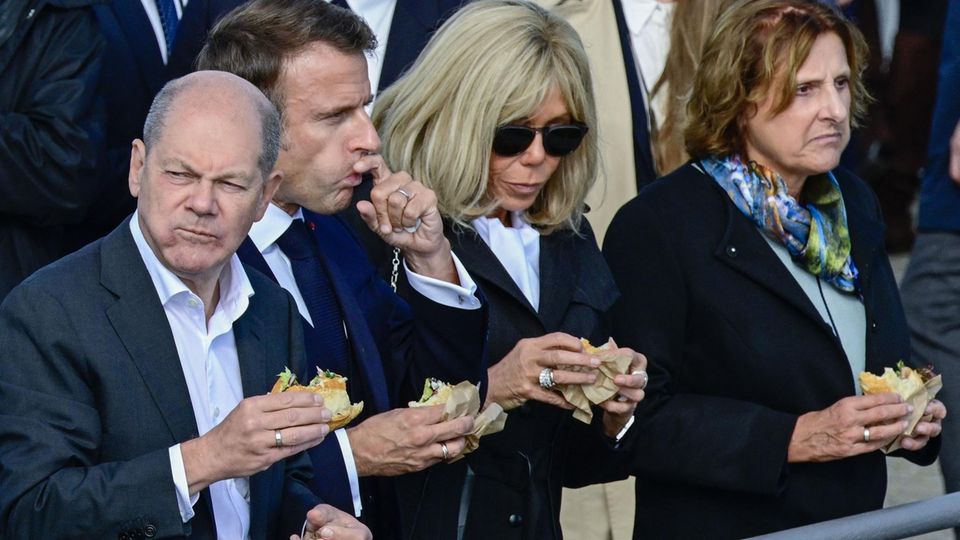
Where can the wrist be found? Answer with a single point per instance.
(199, 470)
(360, 460)
(613, 424)
(437, 265)
(797, 450)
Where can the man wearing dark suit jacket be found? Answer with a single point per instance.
(132, 371)
(309, 56)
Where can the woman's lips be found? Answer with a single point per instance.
(525, 189)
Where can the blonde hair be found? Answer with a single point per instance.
(494, 62)
(692, 24)
(757, 48)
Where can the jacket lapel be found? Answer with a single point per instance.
(140, 322)
(248, 332)
(558, 277)
(135, 25)
(482, 264)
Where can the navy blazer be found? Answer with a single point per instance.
(411, 28)
(92, 395)
(395, 345)
(737, 353)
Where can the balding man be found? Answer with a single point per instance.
(133, 372)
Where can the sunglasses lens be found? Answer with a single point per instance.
(561, 140)
(511, 140)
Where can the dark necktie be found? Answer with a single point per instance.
(326, 342)
(169, 21)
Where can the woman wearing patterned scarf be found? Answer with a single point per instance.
(755, 280)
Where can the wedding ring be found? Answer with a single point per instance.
(646, 378)
(445, 450)
(278, 439)
(404, 193)
(621, 398)
(546, 378)
(866, 434)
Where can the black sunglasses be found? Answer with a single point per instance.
(558, 140)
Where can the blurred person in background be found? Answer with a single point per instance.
(497, 117)
(755, 279)
(51, 129)
(931, 286)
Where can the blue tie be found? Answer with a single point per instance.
(169, 21)
(325, 340)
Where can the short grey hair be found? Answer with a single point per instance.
(155, 123)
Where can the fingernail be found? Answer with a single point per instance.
(595, 362)
(385, 229)
(906, 425)
(909, 409)
(325, 416)
(397, 229)
(324, 429)
(318, 399)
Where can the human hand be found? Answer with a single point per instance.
(516, 378)
(328, 523)
(245, 442)
(955, 154)
(840, 430)
(929, 426)
(406, 440)
(404, 213)
(619, 409)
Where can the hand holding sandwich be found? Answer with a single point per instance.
(406, 440)
(328, 523)
(630, 391)
(930, 426)
(246, 441)
(516, 378)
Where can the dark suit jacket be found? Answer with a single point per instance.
(133, 73)
(92, 395)
(737, 353)
(395, 345)
(513, 488)
(411, 28)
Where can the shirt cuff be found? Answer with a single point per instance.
(184, 500)
(461, 296)
(347, 451)
(623, 431)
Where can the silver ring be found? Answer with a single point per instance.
(866, 434)
(413, 229)
(445, 450)
(404, 193)
(546, 378)
(621, 398)
(278, 439)
(646, 378)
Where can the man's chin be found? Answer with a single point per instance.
(332, 205)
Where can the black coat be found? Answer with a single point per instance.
(737, 353)
(517, 475)
(50, 129)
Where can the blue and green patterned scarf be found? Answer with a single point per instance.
(816, 235)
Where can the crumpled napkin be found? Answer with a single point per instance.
(464, 400)
(612, 363)
(919, 399)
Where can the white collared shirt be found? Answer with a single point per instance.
(649, 24)
(153, 15)
(518, 250)
(264, 235)
(211, 368)
(379, 17)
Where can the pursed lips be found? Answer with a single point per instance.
(203, 235)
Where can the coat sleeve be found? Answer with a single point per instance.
(52, 134)
(693, 438)
(53, 483)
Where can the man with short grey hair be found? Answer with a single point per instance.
(134, 373)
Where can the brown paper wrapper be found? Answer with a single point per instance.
(464, 400)
(580, 396)
(919, 399)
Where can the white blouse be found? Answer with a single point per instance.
(518, 249)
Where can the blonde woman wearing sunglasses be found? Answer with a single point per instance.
(497, 117)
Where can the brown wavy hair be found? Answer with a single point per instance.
(757, 48)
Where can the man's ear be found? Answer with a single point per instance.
(270, 186)
(138, 161)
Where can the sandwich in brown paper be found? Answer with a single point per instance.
(581, 396)
(916, 387)
(463, 400)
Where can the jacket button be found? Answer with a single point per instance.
(873, 326)
(150, 530)
(731, 251)
(515, 520)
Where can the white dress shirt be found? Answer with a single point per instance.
(518, 249)
(275, 222)
(211, 368)
(649, 24)
(153, 14)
